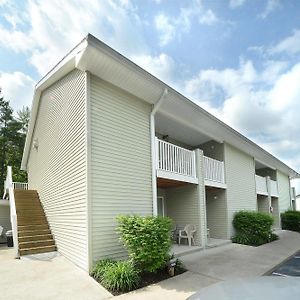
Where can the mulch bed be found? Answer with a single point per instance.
(148, 278)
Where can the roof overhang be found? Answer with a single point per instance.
(99, 59)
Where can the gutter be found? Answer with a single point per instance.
(153, 148)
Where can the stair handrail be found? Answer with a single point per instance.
(13, 212)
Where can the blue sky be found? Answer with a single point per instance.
(239, 59)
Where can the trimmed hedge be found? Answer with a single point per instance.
(147, 240)
(290, 220)
(253, 228)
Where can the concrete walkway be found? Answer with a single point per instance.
(57, 278)
(218, 264)
(52, 277)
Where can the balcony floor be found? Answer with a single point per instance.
(166, 183)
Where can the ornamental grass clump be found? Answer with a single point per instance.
(147, 240)
(116, 276)
(253, 228)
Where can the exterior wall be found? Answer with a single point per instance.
(4, 220)
(283, 183)
(120, 163)
(263, 204)
(276, 212)
(183, 208)
(57, 169)
(240, 180)
(216, 213)
(213, 149)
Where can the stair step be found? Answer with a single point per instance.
(32, 221)
(33, 227)
(32, 233)
(35, 244)
(37, 237)
(36, 250)
(30, 212)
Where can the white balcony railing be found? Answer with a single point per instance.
(20, 185)
(274, 188)
(261, 185)
(175, 159)
(214, 170)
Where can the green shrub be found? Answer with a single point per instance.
(290, 220)
(117, 276)
(147, 240)
(122, 276)
(253, 228)
(100, 268)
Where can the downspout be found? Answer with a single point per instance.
(153, 148)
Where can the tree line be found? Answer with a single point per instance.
(13, 129)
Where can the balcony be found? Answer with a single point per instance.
(175, 163)
(262, 186)
(214, 173)
(274, 188)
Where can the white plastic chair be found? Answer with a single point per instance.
(187, 233)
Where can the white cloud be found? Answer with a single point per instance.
(208, 18)
(161, 66)
(264, 109)
(269, 8)
(170, 27)
(54, 27)
(290, 45)
(17, 87)
(236, 3)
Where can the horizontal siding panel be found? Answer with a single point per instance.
(120, 164)
(58, 168)
(240, 180)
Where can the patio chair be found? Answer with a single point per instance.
(187, 233)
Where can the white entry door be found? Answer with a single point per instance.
(161, 208)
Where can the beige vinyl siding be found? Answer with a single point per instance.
(283, 183)
(4, 219)
(57, 169)
(216, 213)
(263, 204)
(183, 207)
(240, 180)
(120, 163)
(276, 212)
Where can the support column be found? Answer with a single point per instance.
(201, 198)
(269, 194)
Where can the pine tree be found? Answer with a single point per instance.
(12, 139)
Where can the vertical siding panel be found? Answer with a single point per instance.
(120, 163)
(57, 169)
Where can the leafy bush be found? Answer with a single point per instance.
(290, 220)
(118, 276)
(147, 240)
(253, 228)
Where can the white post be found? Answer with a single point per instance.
(13, 212)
